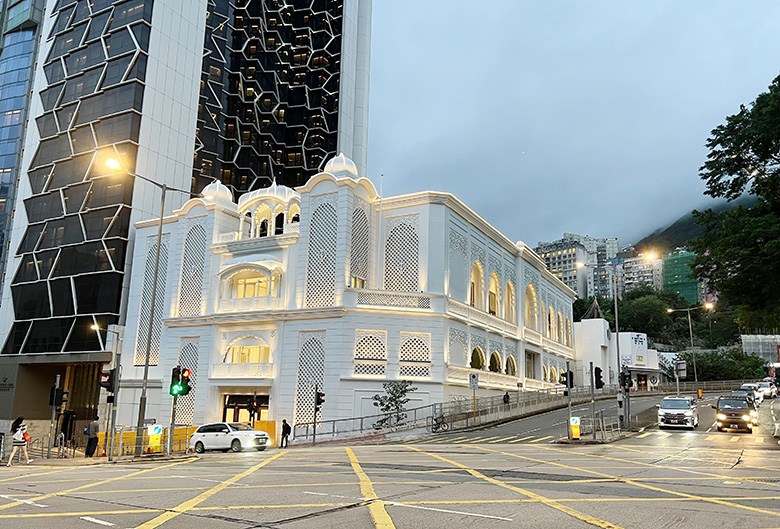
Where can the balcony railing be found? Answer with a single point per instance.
(474, 314)
(383, 298)
(557, 348)
(290, 227)
(259, 370)
(487, 379)
(248, 304)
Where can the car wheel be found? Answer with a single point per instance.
(199, 447)
(720, 429)
(235, 445)
(260, 448)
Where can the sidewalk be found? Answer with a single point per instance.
(82, 461)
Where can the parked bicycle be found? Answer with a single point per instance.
(439, 424)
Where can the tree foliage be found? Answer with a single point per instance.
(393, 402)
(731, 364)
(745, 151)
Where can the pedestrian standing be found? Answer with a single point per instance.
(506, 399)
(285, 434)
(19, 438)
(92, 433)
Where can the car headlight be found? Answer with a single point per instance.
(753, 413)
(721, 417)
(746, 417)
(689, 413)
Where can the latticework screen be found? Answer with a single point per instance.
(321, 262)
(139, 358)
(191, 284)
(401, 259)
(358, 259)
(188, 358)
(311, 365)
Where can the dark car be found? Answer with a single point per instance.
(744, 393)
(736, 413)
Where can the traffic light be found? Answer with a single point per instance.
(626, 380)
(570, 379)
(597, 376)
(563, 378)
(60, 396)
(185, 381)
(107, 379)
(622, 379)
(319, 400)
(176, 386)
(254, 406)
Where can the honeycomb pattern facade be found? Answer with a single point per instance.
(73, 252)
(269, 103)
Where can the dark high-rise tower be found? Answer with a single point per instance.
(177, 92)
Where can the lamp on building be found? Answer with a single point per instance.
(708, 306)
(115, 165)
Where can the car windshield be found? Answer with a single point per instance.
(732, 404)
(675, 404)
(747, 388)
(763, 384)
(741, 393)
(240, 427)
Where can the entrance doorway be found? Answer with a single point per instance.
(641, 382)
(236, 408)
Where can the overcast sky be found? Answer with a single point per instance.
(549, 116)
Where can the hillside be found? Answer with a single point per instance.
(682, 230)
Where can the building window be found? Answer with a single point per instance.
(493, 293)
(511, 366)
(510, 300)
(531, 308)
(477, 286)
(495, 362)
(478, 359)
(254, 284)
(531, 360)
(248, 354)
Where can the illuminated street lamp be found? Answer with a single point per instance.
(708, 306)
(115, 165)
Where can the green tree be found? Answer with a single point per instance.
(393, 402)
(731, 364)
(745, 151)
(739, 251)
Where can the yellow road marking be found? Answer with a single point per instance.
(482, 440)
(734, 439)
(381, 519)
(94, 484)
(663, 435)
(503, 439)
(710, 437)
(468, 440)
(541, 439)
(532, 495)
(522, 439)
(189, 504)
(644, 435)
(33, 475)
(692, 497)
(758, 440)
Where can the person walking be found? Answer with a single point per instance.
(92, 433)
(20, 438)
(506, 399)
(285, 434)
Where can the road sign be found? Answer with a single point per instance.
(575, 427)
(474, 381)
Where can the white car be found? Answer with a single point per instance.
(678, 411)
(768, 389)
(754, 388)
(226, 436)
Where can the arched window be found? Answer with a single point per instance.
(248, 351)
(494, 291)
(561, 336)
(531, 308)
(568, 331)
(551, 324)
(294, 214)
(477, 359)
(262, 230)
(495, 362)
(511, 366)
(553, 375)
(509, 302)
(477, 286)
(254, 284)
(545, 373)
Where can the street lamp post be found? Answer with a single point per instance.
(708, 306)
(117, 350)
(116, 165)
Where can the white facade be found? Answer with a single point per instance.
(330, 284)
(594, 342)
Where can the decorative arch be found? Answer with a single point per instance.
(568, 332)
(545, 373)
(510, 299)
(477, 286)
(551, 323)
(311, 365)
(495, 362)
(494, 294)
(511, 366)
(553, 375)
(561, 333)
(251, 281)
(531, 308)
(247, 349)
(478, 359)
(294, 214)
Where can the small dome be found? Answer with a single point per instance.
(279, 193)
(217, 191)
(341, 166)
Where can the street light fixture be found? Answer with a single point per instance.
(115, 165)
(118, 376)
(708, 306)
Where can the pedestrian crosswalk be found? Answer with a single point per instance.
(647, 436)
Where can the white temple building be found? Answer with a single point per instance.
(330, 284)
